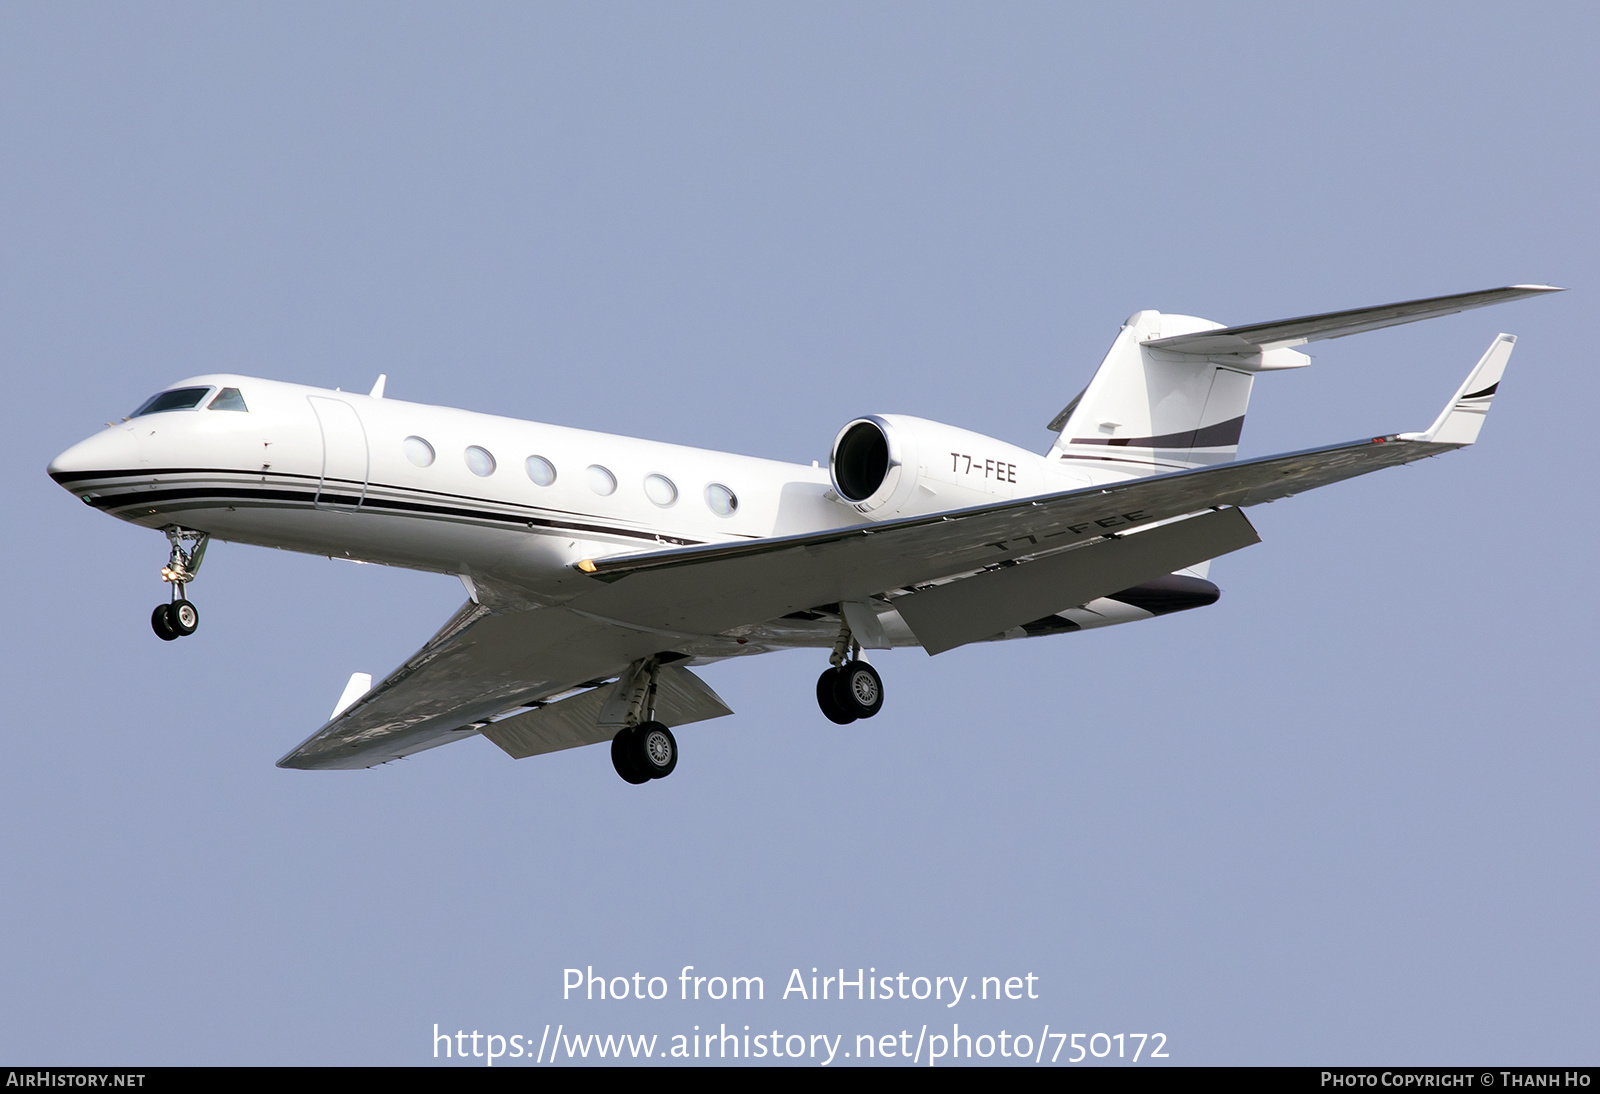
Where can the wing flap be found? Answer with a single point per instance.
(979, 607)
(681, 698)
(570, 723)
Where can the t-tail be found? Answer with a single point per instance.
(1173, 390)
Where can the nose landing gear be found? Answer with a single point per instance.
(175, 620)
(850, 688)
(180, 618)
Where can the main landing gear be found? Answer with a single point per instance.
(644, 748)
(644, 752)
(850, 688)
(180, 618)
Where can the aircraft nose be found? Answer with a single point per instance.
(109, 450)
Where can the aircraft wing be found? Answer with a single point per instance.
(614, 611)
(705, 590)
(480, 664)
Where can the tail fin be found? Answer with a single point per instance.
(1172, 392)
(1150, 409)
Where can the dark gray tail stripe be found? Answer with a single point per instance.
(1211, 436)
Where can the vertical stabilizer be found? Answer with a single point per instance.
(1151, 410)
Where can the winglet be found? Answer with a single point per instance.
(377, 388)
(1462, 417)
(360, 683)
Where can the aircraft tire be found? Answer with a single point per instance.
(161, 623)
(623, 757)
(858, 689)
(185, 618)
(657, 749)
(828, 698)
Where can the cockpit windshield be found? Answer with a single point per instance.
(228, 399)
(179, 398)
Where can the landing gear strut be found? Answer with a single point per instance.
(850, 688)
(644, 748)
(180, 618)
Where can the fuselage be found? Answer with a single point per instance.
(489, 498)
(427, 487)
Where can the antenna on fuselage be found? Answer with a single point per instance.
(377, 388)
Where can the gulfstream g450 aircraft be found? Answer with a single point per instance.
(601, 569)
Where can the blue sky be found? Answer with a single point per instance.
(1346, 815)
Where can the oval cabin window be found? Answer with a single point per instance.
(722, 501)
(418, 451)
(601, 481)
(660, 490)
(541, 470)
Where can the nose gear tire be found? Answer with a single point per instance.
(183, 616)
(161, 623)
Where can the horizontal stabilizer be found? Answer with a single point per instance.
(681, 698)
(981, 606)
(1258, 337)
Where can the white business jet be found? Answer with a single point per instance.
(601, 569)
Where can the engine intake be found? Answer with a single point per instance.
(860, 460)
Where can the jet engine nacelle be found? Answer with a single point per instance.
(890, 465)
